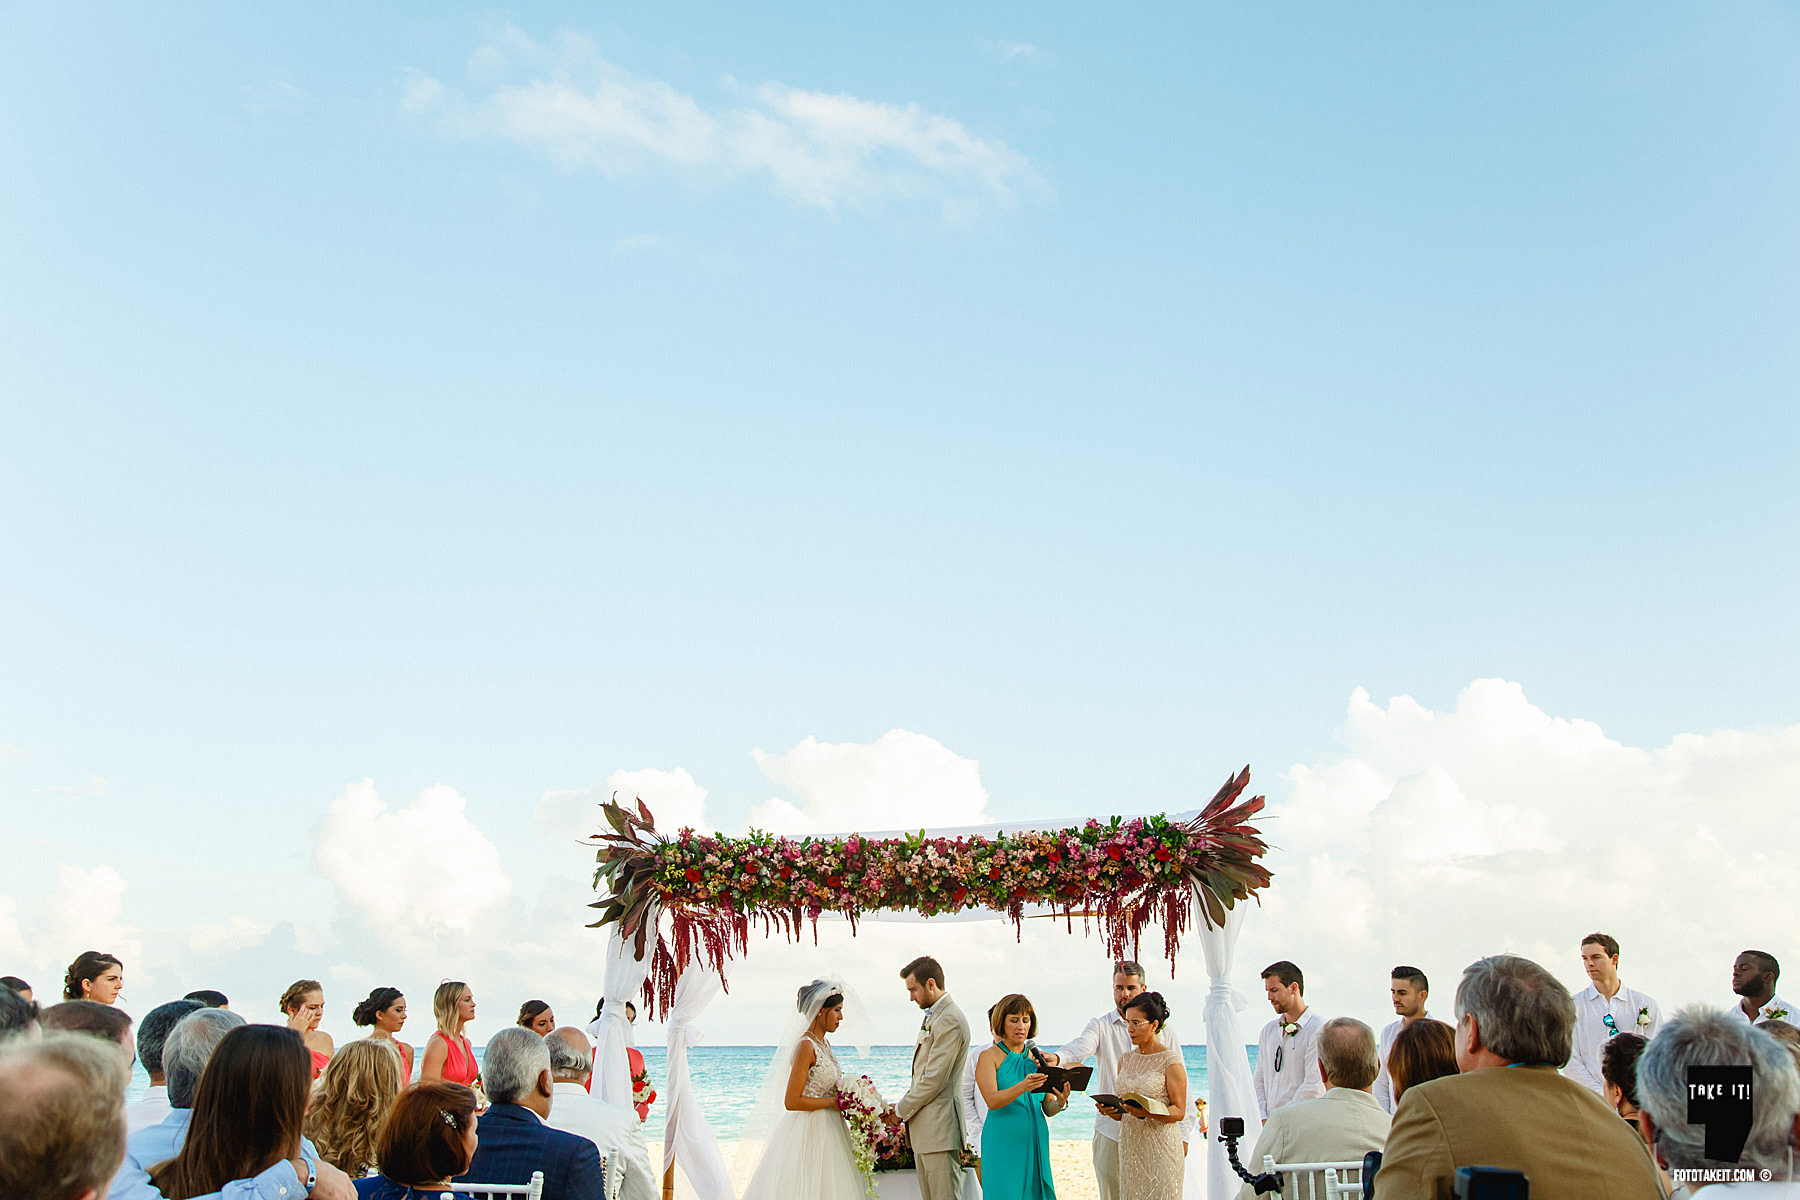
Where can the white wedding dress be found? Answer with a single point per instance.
(808, 1154)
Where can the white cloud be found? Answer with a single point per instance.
(414, 875)
(673, 797)
(1444, 836)
(1020, 52)
(92, 789)
(222, 937)
(902, 780)
(572, 107)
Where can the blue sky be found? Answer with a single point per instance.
(1110, 414)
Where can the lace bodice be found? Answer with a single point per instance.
(822, 1077)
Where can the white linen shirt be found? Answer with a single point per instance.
(1591, 1033)
(148, 1111)
(1298, 1079)
(1105, 1039)
(615, 1131)
(1775, 1010)
(1384, 1083)
(974, 1104)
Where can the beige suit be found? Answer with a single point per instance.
(1340, 1126)
(932, 1107)
(1530, 1119)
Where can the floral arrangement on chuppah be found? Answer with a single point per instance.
(1118, 874)
(874, 1144)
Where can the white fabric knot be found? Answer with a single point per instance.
(1221, 989)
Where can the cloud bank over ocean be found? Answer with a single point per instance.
(1435, 837)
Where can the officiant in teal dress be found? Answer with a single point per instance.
(1015, 1138)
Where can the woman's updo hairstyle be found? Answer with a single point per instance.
(833, 997)
(530, 1011)
(296, 992)
(379, 1001)
(1152, 1005)
(90, 966)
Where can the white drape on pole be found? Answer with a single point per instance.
(623, 983)
(688, 1139)
(1231, 1092)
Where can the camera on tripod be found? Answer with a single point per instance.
(1230, 1130)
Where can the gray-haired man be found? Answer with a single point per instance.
(613, 1128)
(1703, 1037)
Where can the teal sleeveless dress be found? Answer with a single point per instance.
(1015, 1141)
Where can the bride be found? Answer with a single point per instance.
(804, 1144)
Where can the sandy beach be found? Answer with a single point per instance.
(1071, 1165)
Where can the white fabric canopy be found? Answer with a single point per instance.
(624, 980)
(688, 1139)
(1231, 1092)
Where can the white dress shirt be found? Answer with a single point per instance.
(615, 1131)
(1105, 1039)
(1775, 1010)
(974, 1104)
(1384, 1084)
(1592, 1033)
(1298, 1077)
(148, 1111)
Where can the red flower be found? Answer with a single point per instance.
(834, 881)
(787, 872)
(1054, 855)
(958, 894)
(993, 872)
(693, 876)
(1162, 854)
(1114, 853)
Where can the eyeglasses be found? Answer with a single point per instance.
(1612, 1026)
(1278, 1058)
(1138, 1024)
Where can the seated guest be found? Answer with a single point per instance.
(94, 976)
(62, 1118)
(1422, 1050)
(1703, 1037)
(613, 1128)
(1510, 1107)
(1618, 1072)
(515, 1138)
(93, 1018)
(1787, 1035)
(245, 1127)
(16, 984)
(152, 1032)
(351, 1099)
(536, 1016)
(428, 1139)
(1342, 1125)
(209, 998)
(17, 1013)
(185, 1053)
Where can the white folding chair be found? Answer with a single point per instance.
(502, 1191)
(1319, 1178)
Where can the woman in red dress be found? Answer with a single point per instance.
(304, 1006)
(448, 1055)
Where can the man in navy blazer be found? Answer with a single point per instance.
(512, 1140)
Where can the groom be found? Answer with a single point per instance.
(932, 1107)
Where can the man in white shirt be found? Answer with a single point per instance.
(1105, 1039)
(1287, 1052)
(613, 1128)
(152, 1032)
(1603, 1009)
(1407, 987)
(1342, 1125)
(1753, 978)
(974, 1106)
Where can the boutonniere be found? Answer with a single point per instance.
(1644, 1017)
(1775, 1014)
(1290, 1029)
(925, 1025)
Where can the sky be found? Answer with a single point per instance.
(418, 424)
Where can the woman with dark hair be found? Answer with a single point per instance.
(1151, 1150)
(427, 1140)
(94, 976)
(1015, 1140)
(304, 1006)
(448, 1054)
(536, 1016)
(351, 1100)
(796, 1127)
(382, 1014)
(16, 984)
(1423, 1050)
(247, 1116)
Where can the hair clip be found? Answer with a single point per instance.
(448, 1119)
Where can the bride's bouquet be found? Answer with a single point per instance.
(874, 1144)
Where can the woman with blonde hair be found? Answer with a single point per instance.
(303, 1004)
(448, 1055)
(349, 1103)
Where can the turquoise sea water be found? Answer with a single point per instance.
(728, 1078)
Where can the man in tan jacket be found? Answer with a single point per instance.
(1510, 1107)
(932, 1107)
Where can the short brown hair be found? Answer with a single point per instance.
(421, 1141)
(1423, 1050)
(1605, 941)
(1618, 1063)
(62, 1116)
(1011, 1006)
(924, 969)
(87, 1016)
(1287, 972)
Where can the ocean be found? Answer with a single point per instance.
(728, 1078)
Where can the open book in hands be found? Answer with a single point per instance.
(1075, 1077)
(1155, 1108)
